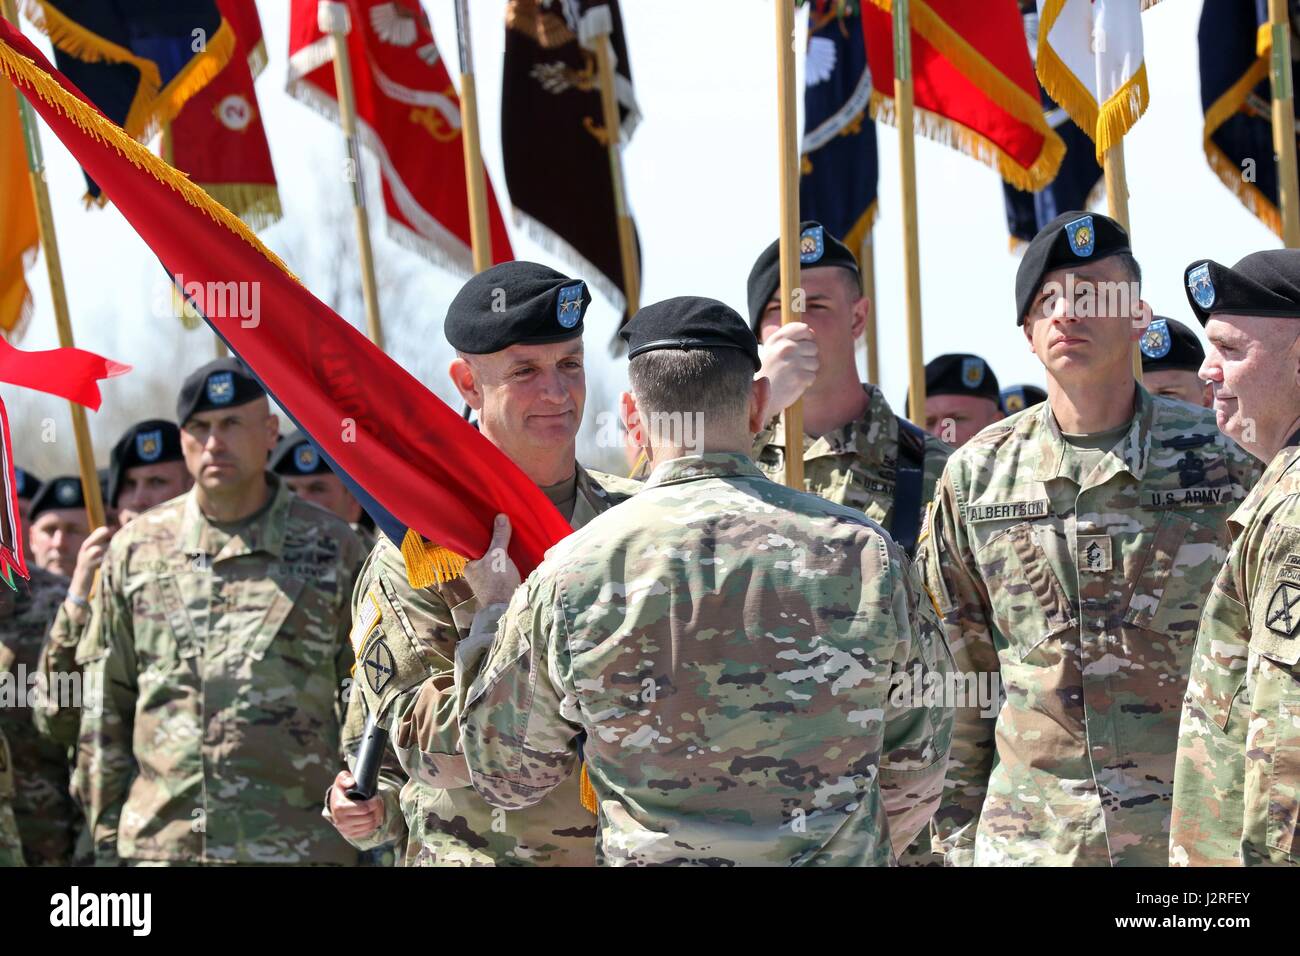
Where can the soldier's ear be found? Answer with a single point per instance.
(1142, 316)
(630, 415)
(466, 382)
(759, 396)
(861, 312)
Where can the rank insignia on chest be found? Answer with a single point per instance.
(378, 665)
(1283, 614)
(1095, 553)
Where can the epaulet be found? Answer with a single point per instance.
(613, 484)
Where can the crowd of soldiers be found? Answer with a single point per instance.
(1056, 627)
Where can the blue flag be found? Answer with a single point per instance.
(839, 168)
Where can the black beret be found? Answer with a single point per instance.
(57, 493)
(1263, 283)
(515, 303)
(1067, 240)
(1018, 397)
(150, 442)
(27, 483)
(817, 249)
(961, 374)
(295, 455)
(1168, 344)
(689, 322)
(223, 383)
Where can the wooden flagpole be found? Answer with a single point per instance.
(789, 167)
(870, 343)
(911, 239)
(58, 295)
(333, 18)
(475, 180)
(1117, 209)
(1284, 122)
(602, 46)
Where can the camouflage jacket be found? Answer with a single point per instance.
(1237, 779)
(221, 653)
(58, 716)
(725, 652)
(11, 844)
(47, 816)
(1071, 614)
(429, 803)
(855, 465)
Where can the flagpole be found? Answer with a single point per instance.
(58, 295)
(475, 181)
(603, 47)
(870, 344)
(789, 166)
(1284, 122)
(1117, 208)
(911, 239)
(333, 18)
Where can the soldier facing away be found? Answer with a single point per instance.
(1070, 550)
(219, 638)
(517, 330)
(1237, 781)
(720, 649)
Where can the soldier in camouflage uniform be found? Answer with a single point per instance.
(514, 365)
(1237, 779)
(1071, 548)
(11, 844)
(722, 651)
(219, 637)
(47, 817)
(308, 476)
(146, 468)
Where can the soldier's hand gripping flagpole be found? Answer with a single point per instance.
(334, 19)
(58, 295)
(911, 242)
(789, 167)
(475, 183)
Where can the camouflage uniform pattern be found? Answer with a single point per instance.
(856, 464)
(1237, 779)
(425, 785)
(58, 719)
(222, 653)
(47, 816)
(11, 844)
(727, 646)
(1083, 602)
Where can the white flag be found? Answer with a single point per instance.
(1090, 61)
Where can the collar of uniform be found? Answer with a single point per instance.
(1134, 448)
(695, 467)
(868, 436)
(591, 500)
(198, 535)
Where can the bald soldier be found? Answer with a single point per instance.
(857, 452)
(1237, 780)
(1171, 361)
(724, 652)
(517, 331)
(1070, 549)
(961, 397)
(297, 461)
(219, 637)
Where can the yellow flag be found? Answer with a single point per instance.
(19, 237)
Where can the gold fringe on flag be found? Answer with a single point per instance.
(586, 792)
(258, 204)
(75, 40)
(858, 234)
(428, 564)
(1222, 110)
(201, 69)
(23, 72)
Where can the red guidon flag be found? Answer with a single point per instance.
(218, 139)
(418, 468)
(974, 84)
(407, 113)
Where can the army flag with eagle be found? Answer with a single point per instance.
(139, 61)
(973, 84)
(218, 139)
(839, 168)
(408, 115)
(552, 134)
(1236, 45)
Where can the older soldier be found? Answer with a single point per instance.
(961, 397)
(857, 452)
(297, 461)
(219, 637)
(729, 647)
(517, 330)
(57, 525)
(1070, 549)
(11, 844)
(1237, 780)
(1171, 362)
(47, 817)
(146, 468)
